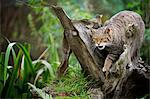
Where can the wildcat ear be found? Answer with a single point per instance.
(99, 20)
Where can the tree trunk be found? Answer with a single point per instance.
(122, 83)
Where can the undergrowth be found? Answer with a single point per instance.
(24, 76)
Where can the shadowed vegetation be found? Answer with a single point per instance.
(31, 41)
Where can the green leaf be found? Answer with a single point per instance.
(7, 59)
(13, 76)
(27, 56)
(38, 74)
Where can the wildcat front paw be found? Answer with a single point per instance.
(106, 72)
(104, 69)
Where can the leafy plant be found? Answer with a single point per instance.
(15, 77)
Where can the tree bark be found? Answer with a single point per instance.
(124, 82)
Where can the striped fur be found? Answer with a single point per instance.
(124, 28)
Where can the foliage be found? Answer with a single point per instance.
(145, 50)
(73, 84)
(75, 9)
(77, 83)
(23, 70)
(38, 72)
(135, 6)
(147, 34)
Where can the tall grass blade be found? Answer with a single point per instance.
(13, 76)
(27, 56)
(42, 55)
(38, 74)
(7, 59)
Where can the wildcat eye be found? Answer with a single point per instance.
(107, 32)
(96, 26)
